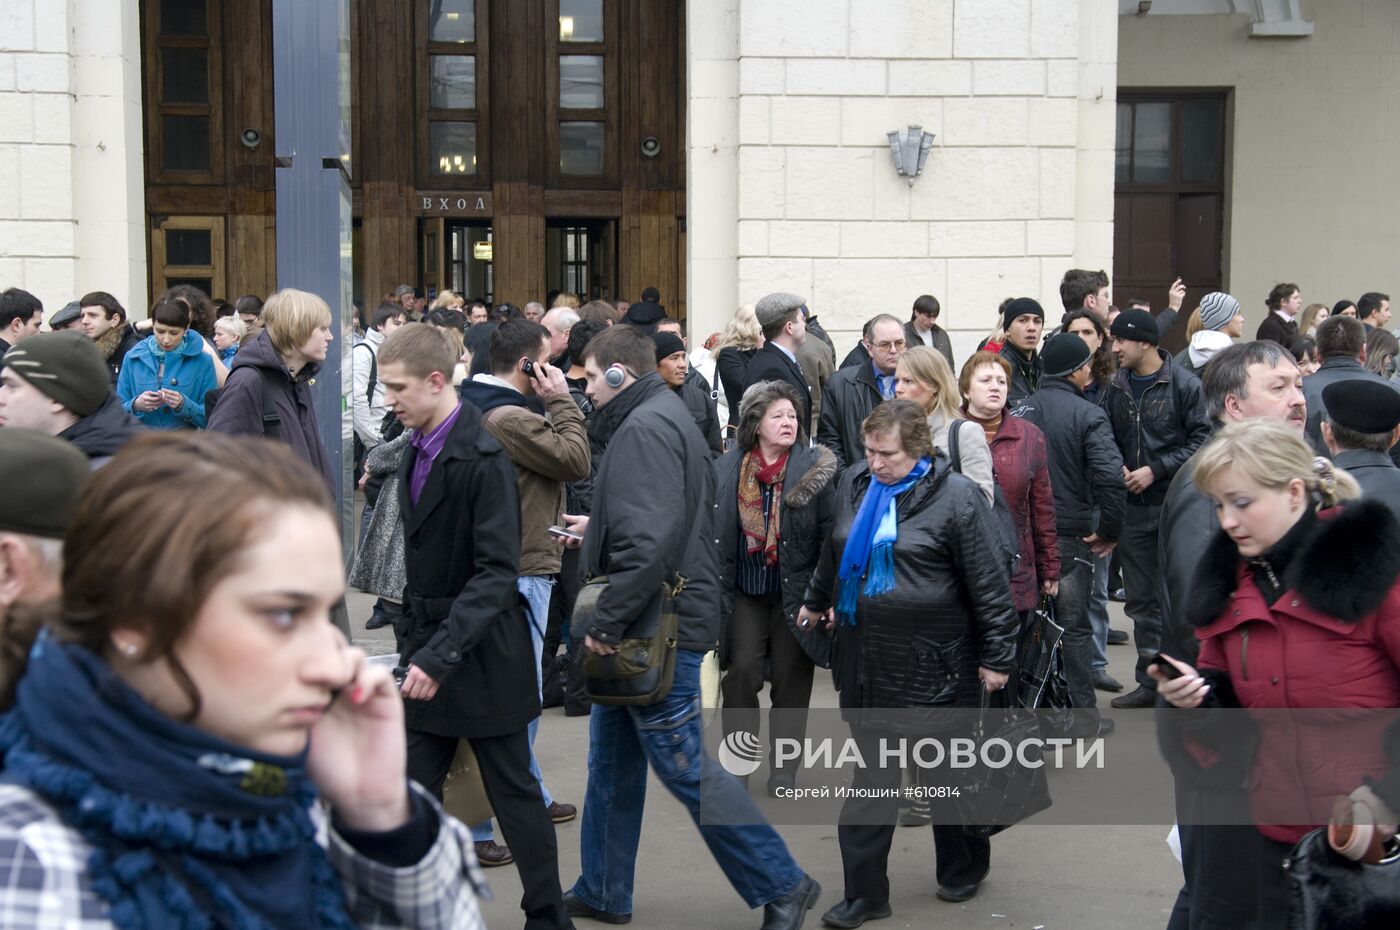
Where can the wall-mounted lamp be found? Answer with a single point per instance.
(910, 149)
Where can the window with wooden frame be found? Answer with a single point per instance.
(184, 92)
(453, 91)
(188, 250)
(582, 89)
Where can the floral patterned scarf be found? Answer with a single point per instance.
(761, 532)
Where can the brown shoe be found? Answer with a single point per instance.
(561, 813)
(491, 854)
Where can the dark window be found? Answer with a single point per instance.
(186, 143)
(1202, 148)
(184, 75)
(452, 92)
(204, 284)
(453, 149)
(183, 91)
(581, 149)
(582, 79)
(189, 247)
(183, 18)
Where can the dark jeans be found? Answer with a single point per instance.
(1138, 550)
(561, 613)
(1072, 609)
(866, 830)
(758, 632)
(515, 797)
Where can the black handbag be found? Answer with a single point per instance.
(1041, 683)
(644, 666)
(992, 799)
(1331, 892)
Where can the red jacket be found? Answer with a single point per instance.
(1020, 465)
(1330, 640)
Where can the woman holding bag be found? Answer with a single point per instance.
(221, 710)
(774, 505)
(912, 580)
(1297, 605)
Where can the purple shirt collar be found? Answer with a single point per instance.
(428, 446)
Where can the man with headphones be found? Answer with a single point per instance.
(651, 521)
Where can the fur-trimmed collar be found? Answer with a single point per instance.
(1343, 569)
(107, 342)
(817, 476)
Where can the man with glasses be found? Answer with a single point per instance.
(853, 392)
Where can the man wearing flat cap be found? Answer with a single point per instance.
(57, 383)
(32, 525)
(1363, 423)
(784, 328)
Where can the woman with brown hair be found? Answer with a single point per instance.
(1091, 329)
(220, 709)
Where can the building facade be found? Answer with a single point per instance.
(720, 150)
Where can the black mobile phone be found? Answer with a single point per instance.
(528, 367)
(1171, 671)
(400, 673)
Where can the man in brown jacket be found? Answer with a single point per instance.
(525, 405)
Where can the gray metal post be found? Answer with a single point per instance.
(311, 90)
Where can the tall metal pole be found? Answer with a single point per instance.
(311, 94)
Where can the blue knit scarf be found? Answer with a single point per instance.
(187, 831)
(869, 551)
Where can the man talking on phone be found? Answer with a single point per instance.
(525, 405)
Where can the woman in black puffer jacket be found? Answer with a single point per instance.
(774, 507)
(922, 607)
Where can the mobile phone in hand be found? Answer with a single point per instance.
(558, 532)
(1168, 669)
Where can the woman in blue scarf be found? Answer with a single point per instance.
(914, 584)
(189, 712)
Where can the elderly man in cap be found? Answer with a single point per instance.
(1221, 324)
(1363, 423)
(52, 474)
(57, 383)
(784, 326)
(70, 317)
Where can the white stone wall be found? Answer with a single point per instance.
(72, 198)
(1018, 187)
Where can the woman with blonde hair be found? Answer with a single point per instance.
(924, 376)
(1297, 605)
(742, 338)
(268, 392)
(448, 300)
(1312, 317)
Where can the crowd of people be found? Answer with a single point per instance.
(545, 487)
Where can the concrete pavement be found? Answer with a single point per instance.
(1051, 877)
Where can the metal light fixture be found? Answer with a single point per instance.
(910, 149)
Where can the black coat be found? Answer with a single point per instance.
(1376, 473)
(849, 397)
(464, 623)
(1025, 374)
(808, 511)
(919, 645)
(1086, 468)
(731, 365)
(1277, 328)
(101, 434)
(1186, 524)
(857, 356)
(700, 400)
(771, 363)
(652, 497)
(239, 411)
(1162, 431)
(1331, 371)
(941, 342)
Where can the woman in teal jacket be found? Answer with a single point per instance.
(164, 378)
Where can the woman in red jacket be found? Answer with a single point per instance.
(1022, 473)
(1297, 605)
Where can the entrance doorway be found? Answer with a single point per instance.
(1169, 199)
(581, 258)
(456, 255)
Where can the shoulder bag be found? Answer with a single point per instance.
(644, 666)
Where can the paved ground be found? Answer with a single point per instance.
(1065, 878)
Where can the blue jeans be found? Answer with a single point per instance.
(536, 590)
(1098, 613)
(667, 734)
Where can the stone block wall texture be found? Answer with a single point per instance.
(1312, 179)
(72, 200)
(1018, 187)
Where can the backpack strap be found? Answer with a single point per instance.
(271, 419)
(373, 372)
(954, 452)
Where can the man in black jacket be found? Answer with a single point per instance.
(1247, 381)
(1086, 475)
(56, 383)
(1023, 321)
(1360, 429)
(923, 329)
(21, 315)
(784, 328)
(464, 638)
(651, 525)
(1341, 345)
(1281, 325)
(855, 391)
(860, 354)
(675, 369)
(104, 321)
(1159, 421)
